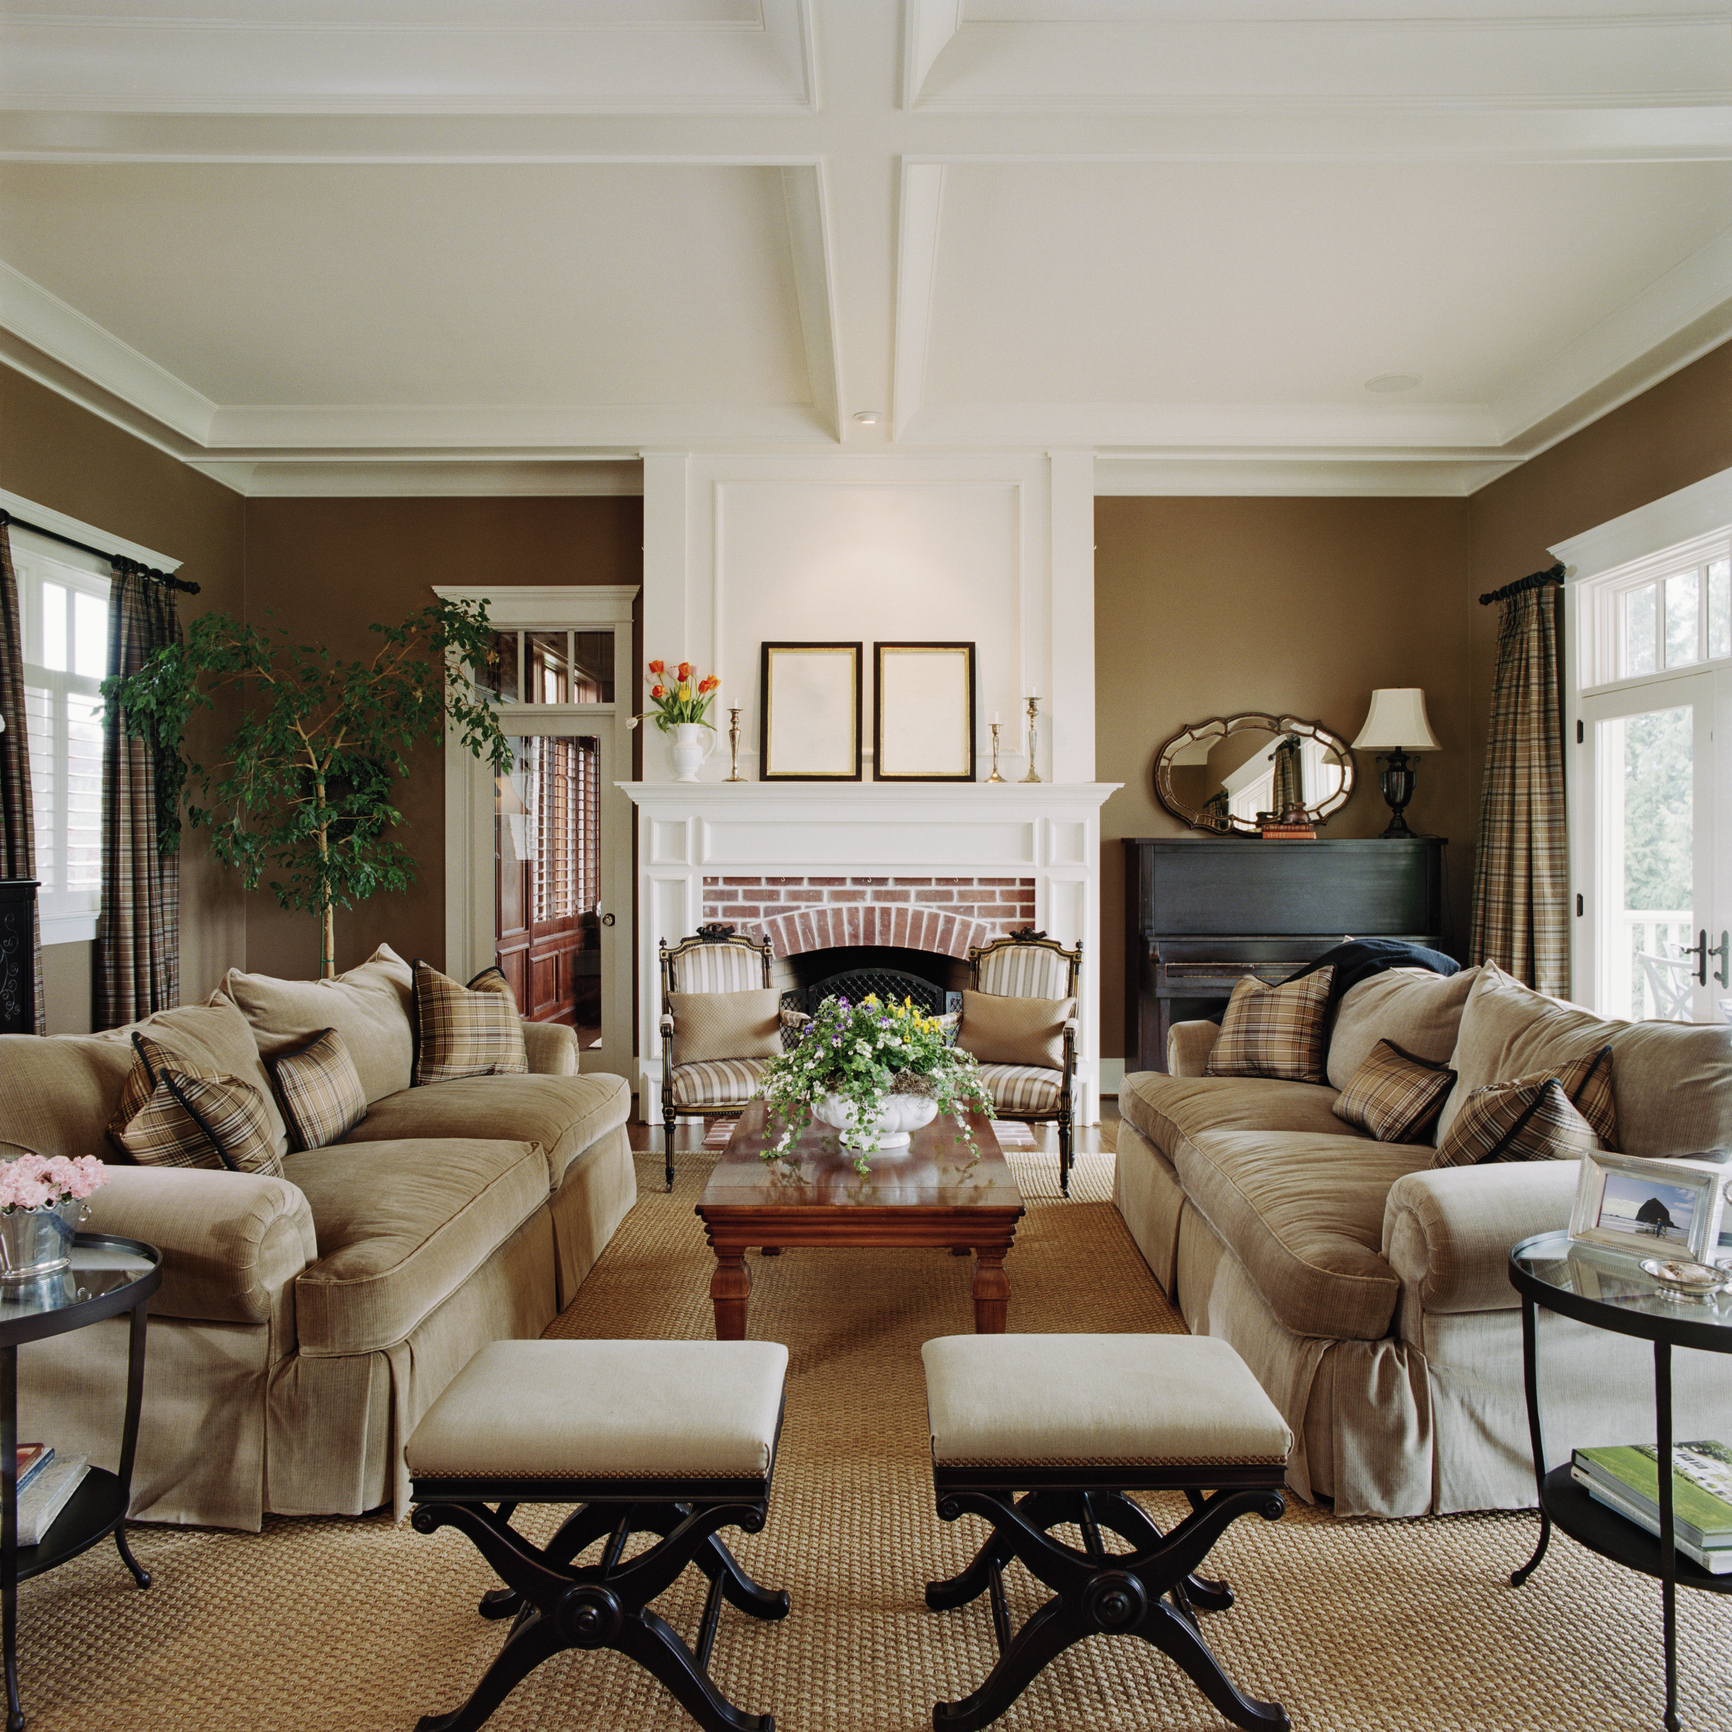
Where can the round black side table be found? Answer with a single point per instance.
(107, 1276)
(1607, 1294)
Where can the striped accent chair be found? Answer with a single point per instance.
(717, 960)
(1028, 964)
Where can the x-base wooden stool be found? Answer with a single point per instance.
(1071, 1423)
(671, 1438)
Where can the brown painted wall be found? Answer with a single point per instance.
(328, 568)
(59, 455)
(1675, 434)
(1204, 607)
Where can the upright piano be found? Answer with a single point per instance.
(1203, 912)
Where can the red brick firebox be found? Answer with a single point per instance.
(944, 915)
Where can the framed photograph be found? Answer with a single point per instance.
(923, 712)
(1650, 1208)
(809, 719)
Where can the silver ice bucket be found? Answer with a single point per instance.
(38, 1242)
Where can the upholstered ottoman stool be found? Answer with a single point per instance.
(1073, 1422)
(671, 1438)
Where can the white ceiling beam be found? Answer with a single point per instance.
(916, 269)
(814, 282)
(928, 28)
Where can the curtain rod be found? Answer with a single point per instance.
(1534, 580)
(114, 559)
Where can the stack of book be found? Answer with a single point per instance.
(1627, 1479)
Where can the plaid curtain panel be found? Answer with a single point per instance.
(139, 952)
(320, 1090)
(1394, 1095)
(462, 1032)
(1275, 1031)
(17, 808)
(175, 1114)
(1520, 875)
(1527, 1120)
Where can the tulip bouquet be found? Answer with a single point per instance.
(678, 697)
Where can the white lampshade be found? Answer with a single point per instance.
(1396, 723)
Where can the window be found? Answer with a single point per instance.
(1658, 615)
(63, 601)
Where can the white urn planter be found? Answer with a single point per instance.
(888, 1133)
(689, 744)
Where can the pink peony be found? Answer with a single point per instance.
(33, 1181)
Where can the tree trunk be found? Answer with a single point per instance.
(328, 943)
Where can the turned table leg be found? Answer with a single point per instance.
(991, 1290)
(730, 1287)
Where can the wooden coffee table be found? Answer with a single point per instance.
(935, 1194)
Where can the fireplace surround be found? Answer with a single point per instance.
(931, 868)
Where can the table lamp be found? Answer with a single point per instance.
(1396, 726)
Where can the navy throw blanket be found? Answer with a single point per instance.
(1357, 959)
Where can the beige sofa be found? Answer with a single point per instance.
(1369, 1292)
(305, 1323)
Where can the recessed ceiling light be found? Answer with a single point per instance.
(1387, 383)
(868, 417)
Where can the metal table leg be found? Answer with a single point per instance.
(1668, 1538)
(1531, 1383)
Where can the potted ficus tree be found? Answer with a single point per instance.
(303, 790)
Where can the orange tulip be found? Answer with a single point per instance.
(685, 672)
(657, 693)
(658, 667)
(708, 685)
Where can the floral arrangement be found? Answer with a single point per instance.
(40, 1181)
(678, 697)
(862, 1053)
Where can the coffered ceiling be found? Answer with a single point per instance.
(511, 245)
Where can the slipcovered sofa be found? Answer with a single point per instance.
(306, 1322)
(1369, 1291)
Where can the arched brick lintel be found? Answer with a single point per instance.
(804, 929)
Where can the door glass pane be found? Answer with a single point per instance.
(499, 675)
(1683, 619)
(592, 660)
(547, 820)
(1720, 608)
(1639, 633)
(548, 655)
(1651, 827)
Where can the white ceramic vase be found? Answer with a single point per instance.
(689, 744)
(898, 1115)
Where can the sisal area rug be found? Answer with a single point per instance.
(346, 1626)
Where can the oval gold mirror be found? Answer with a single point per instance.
(1223, 774)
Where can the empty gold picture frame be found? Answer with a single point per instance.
(809, 719)
(923, 712)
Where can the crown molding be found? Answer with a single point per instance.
(412, 479)
(1296, 477)
(64, 334)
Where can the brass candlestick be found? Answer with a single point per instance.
(1033, 710)
(734, 741)
(995, 776)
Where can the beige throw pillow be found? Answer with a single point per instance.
(464, 1031)
(1001, 1030)
(1416, 1010)
(1274, 1031)
(715, 1025)
(371, 1007)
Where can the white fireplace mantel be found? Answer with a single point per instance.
(1045, 831)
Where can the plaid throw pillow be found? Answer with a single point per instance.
(1274, 1031)
(1527, 1120)
(465, 1030)
(1588, 1084)
(176, 1114)
(1394, 1095)
(320, 1090)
